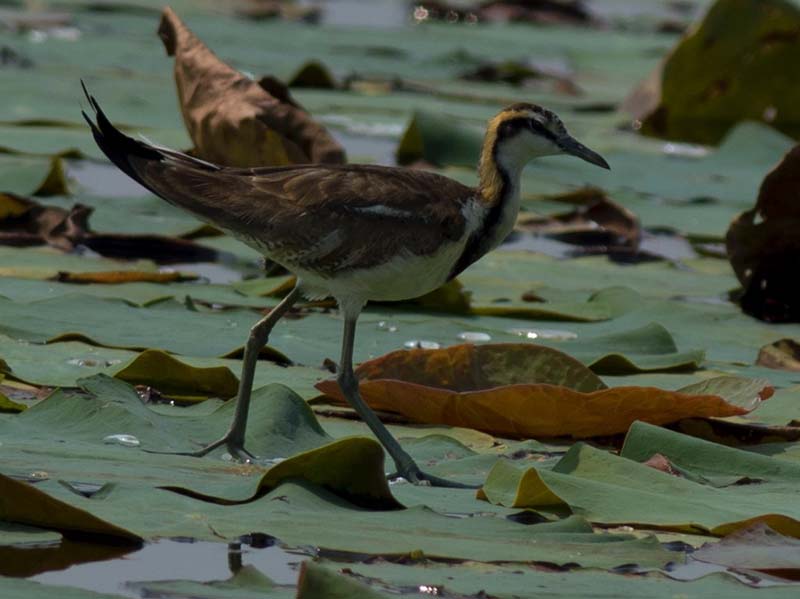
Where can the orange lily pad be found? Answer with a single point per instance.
(525, 390)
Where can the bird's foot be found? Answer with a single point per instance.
(231, 441)
(415, 476)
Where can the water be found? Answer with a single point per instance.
(166, 560)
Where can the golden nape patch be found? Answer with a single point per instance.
(491, 181)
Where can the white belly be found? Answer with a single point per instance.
(403, 277)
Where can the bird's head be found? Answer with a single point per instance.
(521, 132)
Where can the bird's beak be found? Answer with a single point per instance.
(570, 145)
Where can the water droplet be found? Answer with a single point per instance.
(83, 362)
(397, 481)
(429, 589)
(387, 326)
(113, 362)
(121, 439)
(39, 475)
(474, 337)
(226, 457)
(551, 334)
(421, 344)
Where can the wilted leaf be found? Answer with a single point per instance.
(730, 68)
(233, 120)
(25, 222)
(598, 223)
(477, 367)
(513, 391)
(763, 245)
(118, 277)
(783, 354)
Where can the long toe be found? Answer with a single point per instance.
(417, 477)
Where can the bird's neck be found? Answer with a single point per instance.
(499, 172)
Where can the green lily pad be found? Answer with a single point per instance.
(614, 490)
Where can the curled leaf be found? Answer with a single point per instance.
(234, 120)
(173, 377)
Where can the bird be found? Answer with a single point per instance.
(354, 232)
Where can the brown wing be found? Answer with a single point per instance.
(325, 218)
(322, 218)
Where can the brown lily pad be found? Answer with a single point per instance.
(523, 391)
(25, 222)
(597, 223)
(235, 121)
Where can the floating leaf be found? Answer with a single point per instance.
(172, 377)
(23, 503)
(513, 391)
(318, 582)
(609, 489)
(233, 120)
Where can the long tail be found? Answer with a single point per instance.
(129, 153)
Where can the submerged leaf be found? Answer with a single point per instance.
(234, 120)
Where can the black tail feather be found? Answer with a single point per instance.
(118, 147)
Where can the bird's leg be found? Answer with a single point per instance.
(406, 466)
(259, 334)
